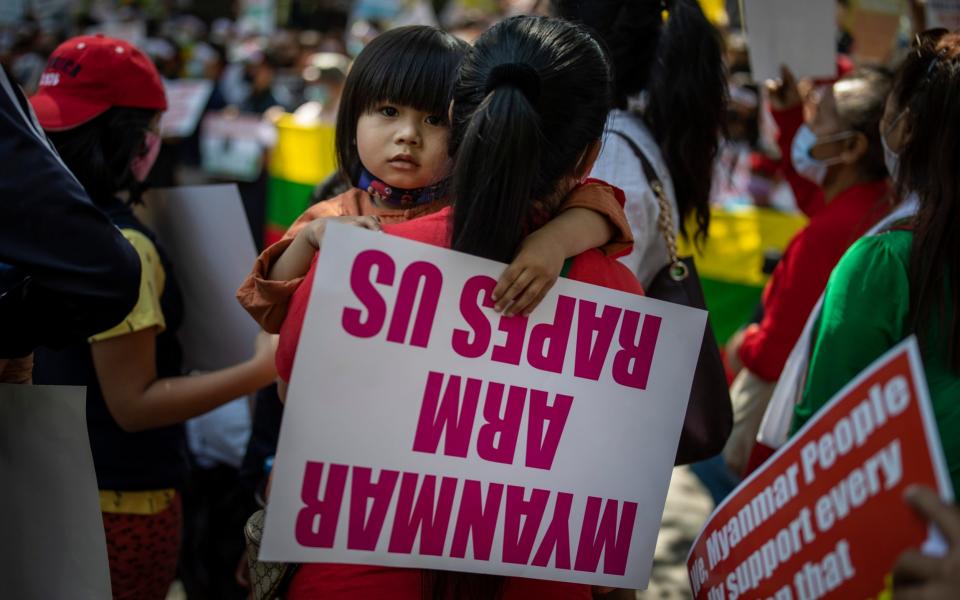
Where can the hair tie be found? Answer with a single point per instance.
(517, 74)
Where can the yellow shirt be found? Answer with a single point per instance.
(147, 312)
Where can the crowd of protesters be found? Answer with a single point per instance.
(611, 122)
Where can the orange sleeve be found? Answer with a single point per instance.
(265, 299)
(607, 200)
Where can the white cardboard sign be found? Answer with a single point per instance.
(204, 231)
(422, 430)
(801, 35)
(53, 540)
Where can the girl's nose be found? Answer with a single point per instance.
(408, 134)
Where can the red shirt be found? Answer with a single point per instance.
(362, 582)
(801, 276)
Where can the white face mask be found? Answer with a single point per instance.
(890, 158)
(806, 165)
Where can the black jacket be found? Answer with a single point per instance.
(67, 272)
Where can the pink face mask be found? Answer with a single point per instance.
(140, 165)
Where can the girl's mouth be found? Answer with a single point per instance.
(403, 162)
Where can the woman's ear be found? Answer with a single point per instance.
(589, 157)
(857, 147)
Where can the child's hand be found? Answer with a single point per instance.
(530, 276)
(314, 230)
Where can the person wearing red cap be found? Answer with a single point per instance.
(100, 101)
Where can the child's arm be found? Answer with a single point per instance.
(592, 217)
(295, 260)
(540, 259)
(127, 371)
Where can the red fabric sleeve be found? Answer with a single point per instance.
(792, 292)
(809, 195)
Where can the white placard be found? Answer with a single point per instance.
(580, 431)
(232, 145)
(801, 35)
(186, 99)
(943, 13)
(53, 544)
(205, 233)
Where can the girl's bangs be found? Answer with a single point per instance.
(411, 73)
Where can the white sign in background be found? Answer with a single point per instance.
(205, 233)
(357, 402)
(801, 35)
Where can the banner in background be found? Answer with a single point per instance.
(186, 99)
(943, 13)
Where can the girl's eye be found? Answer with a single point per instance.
(389, 111)
(434, 120)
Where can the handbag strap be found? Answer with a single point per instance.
(678, 270)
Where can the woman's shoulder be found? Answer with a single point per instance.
(874, 263)
(888, 247)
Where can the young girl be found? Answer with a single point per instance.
(100, 102)
(391, 142)
(538, 89)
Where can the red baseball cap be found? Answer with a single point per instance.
(89, 74)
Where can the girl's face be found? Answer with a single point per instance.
(404, 147)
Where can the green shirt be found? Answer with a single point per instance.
(865, 313)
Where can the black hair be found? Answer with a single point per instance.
(415, 66)
(861, 110)
(927, 90)
(99, 151)
(533, 94)
(679, 65)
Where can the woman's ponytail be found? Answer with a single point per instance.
(686, 104)
(494, 177)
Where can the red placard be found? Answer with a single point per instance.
(825, 516)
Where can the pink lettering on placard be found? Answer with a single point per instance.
(511, 350)
(476, 293)
(410, 283)
(631, 365)
(548, 341)
(517, 540)
(364, 530)
(606, 536)
(497, 438)
(545, 428)
(557, 537)
(316, 523)
(451, 418)
(360, 282)
(425, 512)
(591, 355)
(477, 519)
